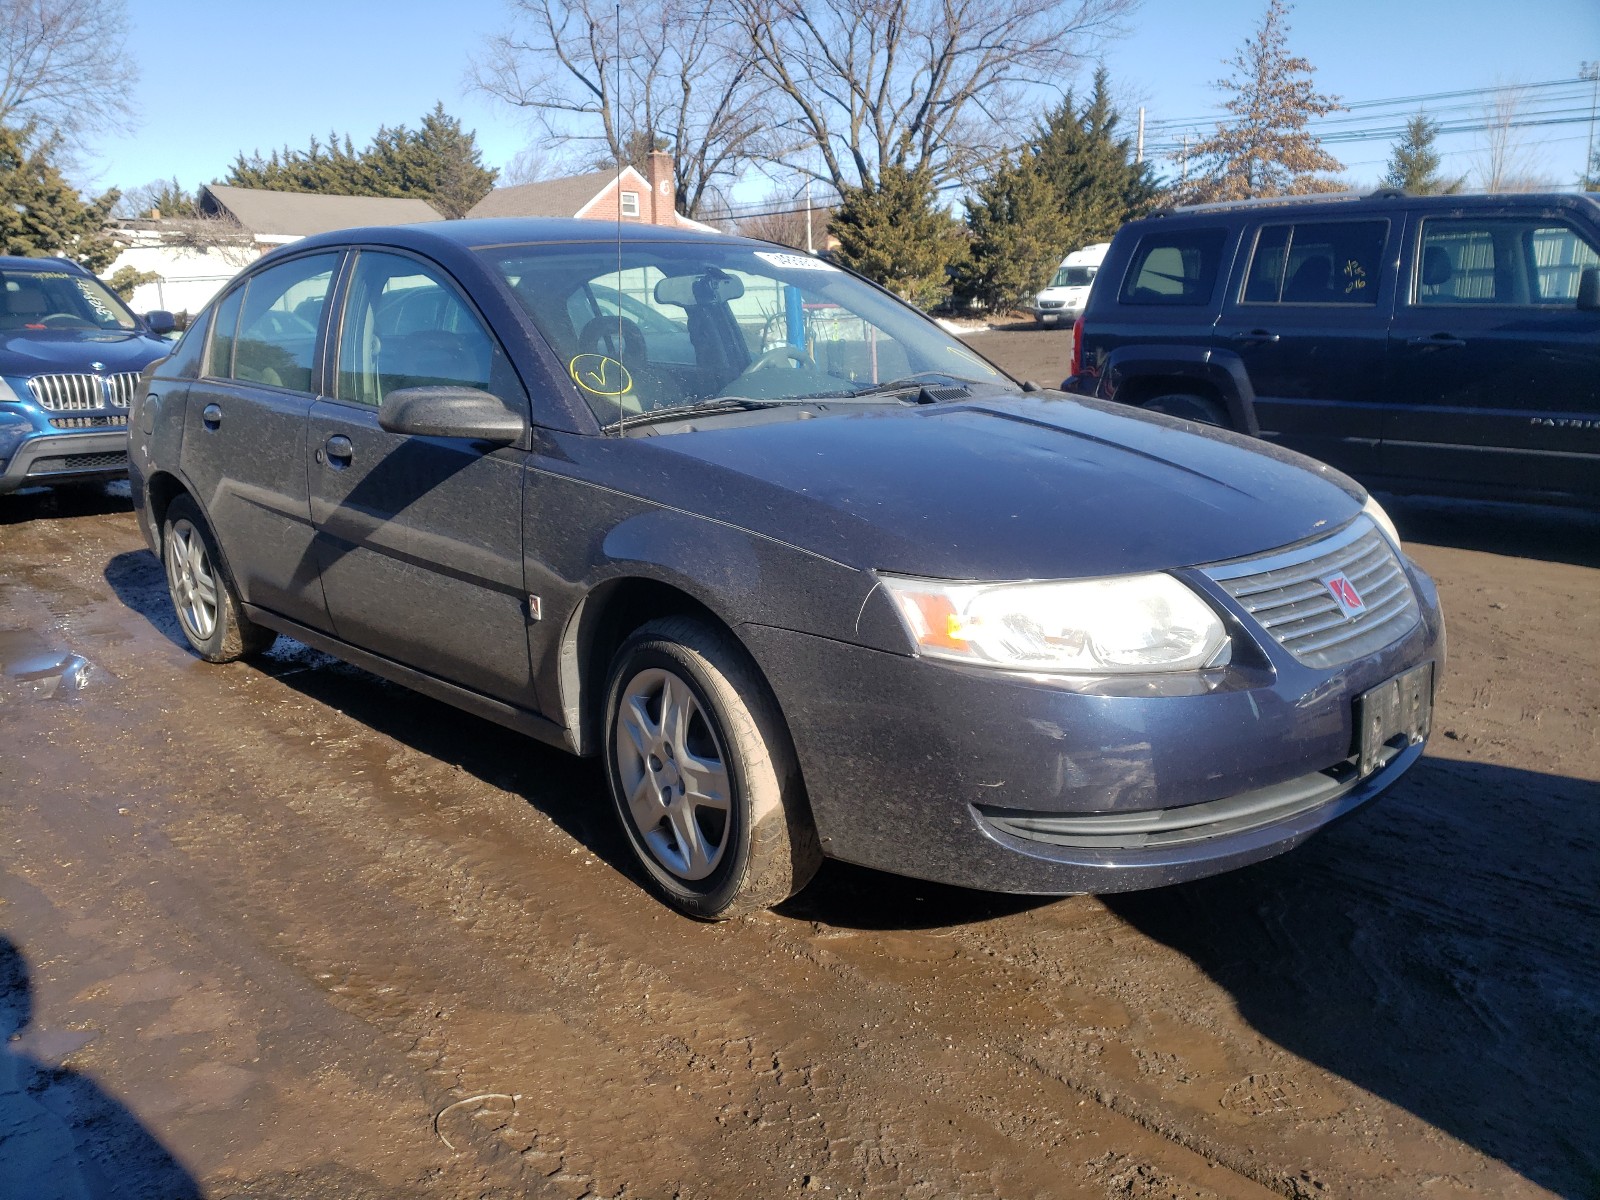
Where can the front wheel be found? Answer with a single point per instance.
(208, 607)
(702, 773)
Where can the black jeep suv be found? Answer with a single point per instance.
(1439, 344)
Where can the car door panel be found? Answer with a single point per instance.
(245, 434)
(1494, 370)
(419, 539)
(1309, 321)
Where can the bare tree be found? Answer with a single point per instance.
(626, 79)
(935, 85)
(784, 219)
(1265, 149)
(64, 68)
(1506, 162)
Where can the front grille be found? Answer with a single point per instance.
(116, 422)
(1052, 304)
(80, 393)
(1288, 595)
(59, 464)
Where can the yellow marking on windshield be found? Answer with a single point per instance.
(600, 374)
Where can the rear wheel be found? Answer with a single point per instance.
(207, 604)
(1190, 407)
(702, 773)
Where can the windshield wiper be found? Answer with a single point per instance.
(718, 404)
(919, 381)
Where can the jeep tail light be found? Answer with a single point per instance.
(1077, 347)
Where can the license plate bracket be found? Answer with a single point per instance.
(1395, 714)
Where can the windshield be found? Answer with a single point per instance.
(40, 299)
(686, 323)
(1072, 277)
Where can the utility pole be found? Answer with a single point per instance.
(1138, 156)
(1591, 72)
(810, 249)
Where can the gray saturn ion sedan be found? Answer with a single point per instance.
(811, 576)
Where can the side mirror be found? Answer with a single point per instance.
(161, 322)
(1589, 289)
(451, 412)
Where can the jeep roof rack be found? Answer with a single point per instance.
(1270, 201)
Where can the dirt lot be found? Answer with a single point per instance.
(284, 930)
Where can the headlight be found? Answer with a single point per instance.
(7, 392)
(1122, 625)
(1381, 519)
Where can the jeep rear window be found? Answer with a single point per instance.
(1175, 267)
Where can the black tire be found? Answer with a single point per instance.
(1200, 409)
(710, 861)
(202, 591)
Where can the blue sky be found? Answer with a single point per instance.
(227, 77)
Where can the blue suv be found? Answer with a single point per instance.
(70, 357)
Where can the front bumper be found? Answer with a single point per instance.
(66, 458)
(979, 779)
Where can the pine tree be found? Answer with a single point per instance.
(41, 214)
(438, 163)
(1091, 168)
(1266, 149)
(894, 234)
(1019, 233)
(1414, 165)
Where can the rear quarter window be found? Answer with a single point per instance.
(1175, 267)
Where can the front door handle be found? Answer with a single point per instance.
(1255, 335)
(1438, 341)
(339, 450)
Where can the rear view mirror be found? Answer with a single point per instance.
(687, 290)
(161, 322)
(1589, 289)
(451, 412)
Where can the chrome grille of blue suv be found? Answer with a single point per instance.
(82, 393)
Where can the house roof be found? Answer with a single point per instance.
(302, 213)
(549, 197)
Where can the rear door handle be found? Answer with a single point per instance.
(1441, 341)
(1255, 335)
(211, 416)
(339, 450)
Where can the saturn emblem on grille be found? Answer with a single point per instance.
(1344, 594)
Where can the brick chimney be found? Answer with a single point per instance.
(663, 192)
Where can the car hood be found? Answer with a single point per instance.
(37, 352)
(1024, 488)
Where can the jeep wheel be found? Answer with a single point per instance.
(1190, 407)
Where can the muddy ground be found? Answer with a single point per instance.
(285, 930)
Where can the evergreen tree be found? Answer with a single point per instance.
(1414, 165)
(1266, 150)
(1019, 233)
(41, 214)
(1091, 168)
(439, 163)
(1591, 178)
(894, 234)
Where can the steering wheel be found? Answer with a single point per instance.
(599, 336)
(778, 354)
(65, 321)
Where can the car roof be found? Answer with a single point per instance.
(13, 262)
(512, 231)
(1352, 203)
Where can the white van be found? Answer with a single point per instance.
(1063, 300)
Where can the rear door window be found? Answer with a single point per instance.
(1175, 267)
(277, 339)
(1317, 262)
